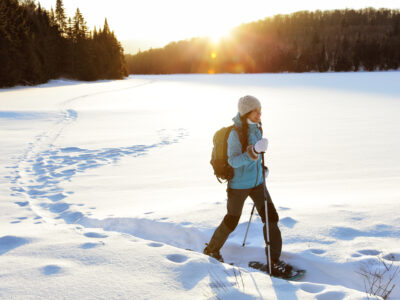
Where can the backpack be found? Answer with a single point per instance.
(219, 155)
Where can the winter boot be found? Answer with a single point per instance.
(215, 255)
(217, 241)
(281, 269)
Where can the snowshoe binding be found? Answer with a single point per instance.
(279, 269)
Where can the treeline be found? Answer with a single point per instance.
(37, 45)
(338, 40)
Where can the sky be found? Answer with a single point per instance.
(141, 24)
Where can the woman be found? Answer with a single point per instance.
(244, 156)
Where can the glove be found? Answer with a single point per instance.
(261, 146)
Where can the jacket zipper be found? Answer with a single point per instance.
(257, 171)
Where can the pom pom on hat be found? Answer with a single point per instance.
(247, 104)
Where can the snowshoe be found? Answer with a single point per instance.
(279, 269)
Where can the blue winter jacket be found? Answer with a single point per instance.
(248, 172)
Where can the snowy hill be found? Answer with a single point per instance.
(104, 185)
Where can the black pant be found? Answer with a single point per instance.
(236, 199)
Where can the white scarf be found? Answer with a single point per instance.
(250, 122)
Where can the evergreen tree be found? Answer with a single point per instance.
(33, 49)
(53, 21)
(341, 40)
(79, 30)
(61, 17)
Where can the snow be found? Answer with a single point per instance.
(105, 185)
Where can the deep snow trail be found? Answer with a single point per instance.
(43, 166)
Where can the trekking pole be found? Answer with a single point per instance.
(248, 225)
(266, 172)
(266, 218)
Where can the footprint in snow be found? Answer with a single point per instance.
(369, 252)
(288, 222)
(331, 296)
(177, 258)
(91, 245)
(312, 288)
(186, 223)
(51, 270)
(95, 235)
(392, 257)
(155, 245)
(56, 207)
(56, 165)
(283, 208)
(9, 242)
(348, 233)
(317, 251)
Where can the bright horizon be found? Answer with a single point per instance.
(152, 24)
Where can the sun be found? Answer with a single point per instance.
(217, 35)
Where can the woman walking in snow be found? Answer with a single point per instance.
(244, 156)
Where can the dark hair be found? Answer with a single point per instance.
(244, 137)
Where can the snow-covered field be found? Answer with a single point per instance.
(104, 185)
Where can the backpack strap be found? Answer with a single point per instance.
(227, 133)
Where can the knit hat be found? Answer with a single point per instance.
(247, 104)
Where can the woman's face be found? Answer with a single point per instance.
(255, 115)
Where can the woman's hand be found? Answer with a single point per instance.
(261, 146)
